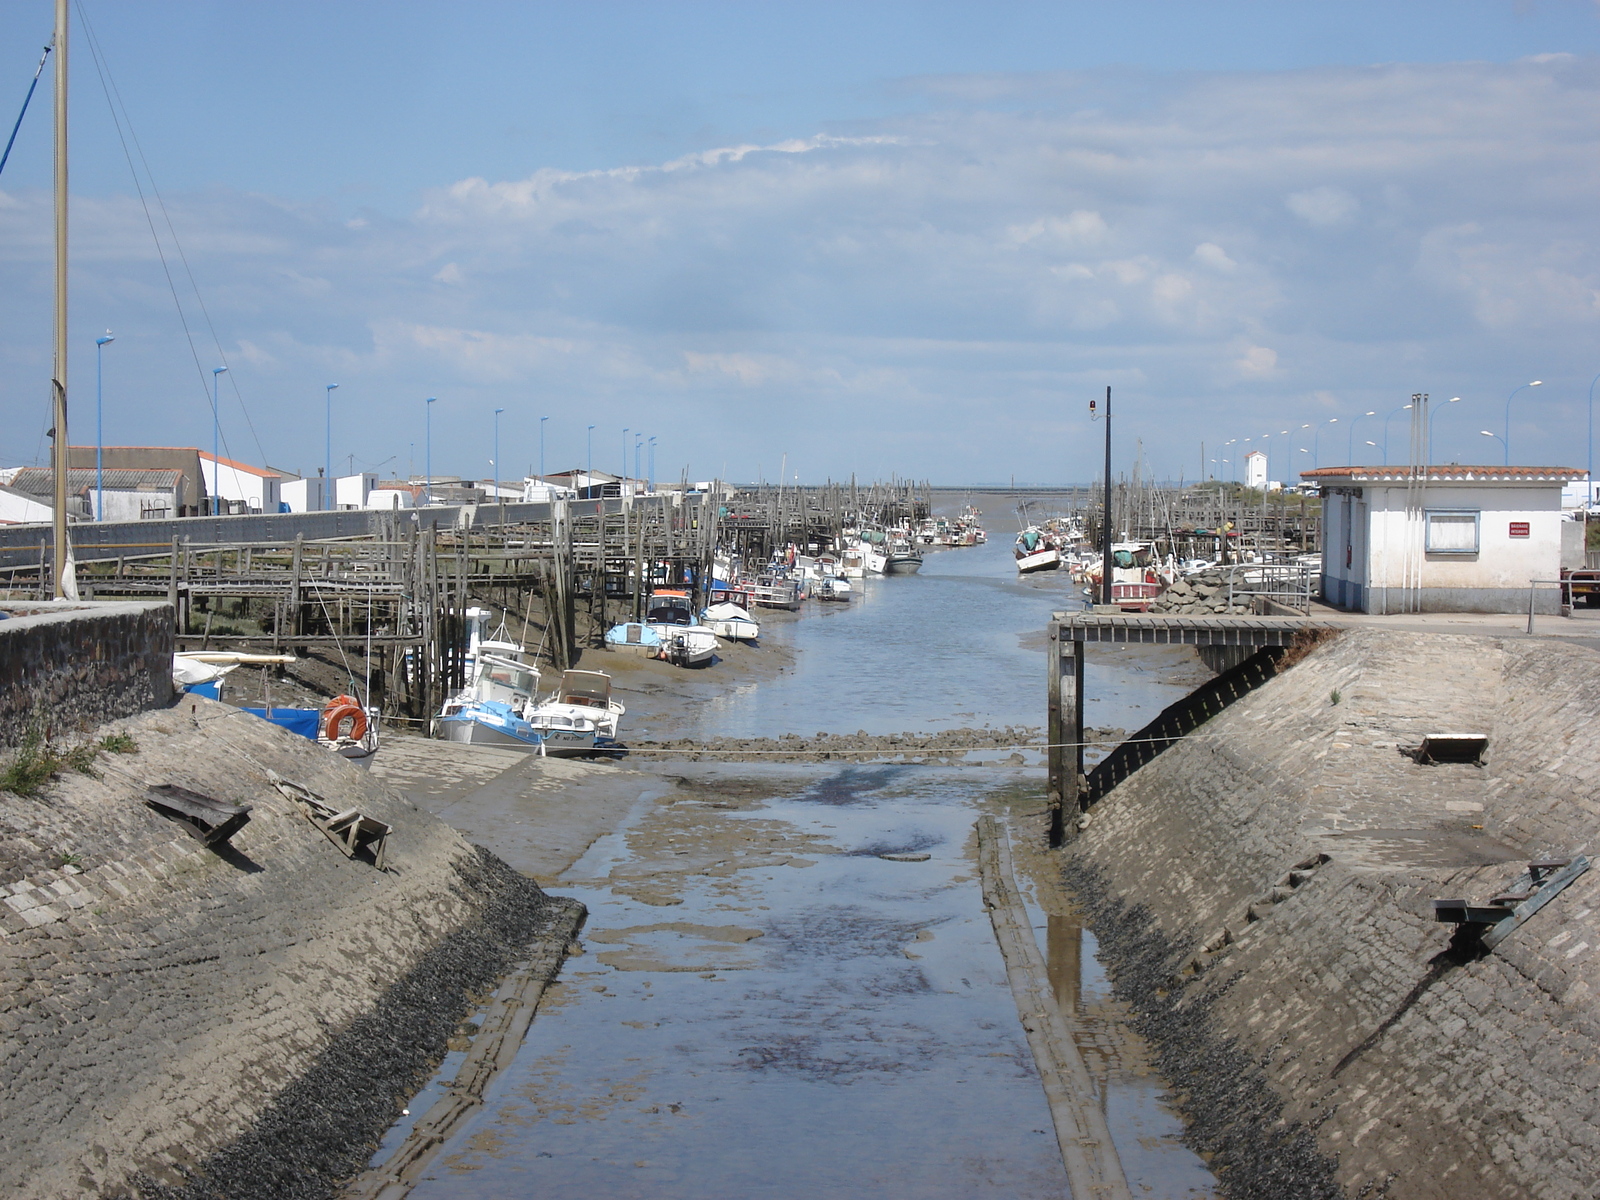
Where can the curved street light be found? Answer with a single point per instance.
(328, 501)
(427, 453)
(1386, 421)
(216, 437)
(1350, 449)
(1506, 441)
(1316, 441)
(100, 344)
(1504, 444)
(1433, 416)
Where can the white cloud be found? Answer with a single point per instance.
(956, 272)
(1322, 207)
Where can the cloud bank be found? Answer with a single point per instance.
(937, 295)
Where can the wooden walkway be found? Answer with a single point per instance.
(1070, 632)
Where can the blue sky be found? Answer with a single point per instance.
(910, 238)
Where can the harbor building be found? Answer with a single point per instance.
(239, 488)
(1447, 539)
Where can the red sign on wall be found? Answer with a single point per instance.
(1519, 529)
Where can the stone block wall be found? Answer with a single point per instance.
(1263, 892)
(67, 666)
(178, 1021)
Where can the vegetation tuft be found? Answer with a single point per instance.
(37, 762)
(119, 743)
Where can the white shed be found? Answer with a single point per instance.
(1441, 539)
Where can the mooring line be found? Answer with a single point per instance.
(1094, 1169)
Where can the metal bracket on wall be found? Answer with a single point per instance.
(1528, 893)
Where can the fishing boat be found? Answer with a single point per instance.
(902, 559)
(490, 723)
(730, 621)
(488, 711)
(771, 592)
(579, 717)
(851, 562)
(1036, 552)
(835, 588)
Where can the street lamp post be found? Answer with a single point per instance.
(100, 430)
(624, 475)
(1506, 446)
(1506, 441)
(638, 443)
(216, 440)
(1433, 416)
(329, 502)
(1316, 441)
(542, 420)
(427, 451)
(501, 499)
(591, 458)
(650, 485)
(1386, 421)
(1350, 450)
(1592, 382)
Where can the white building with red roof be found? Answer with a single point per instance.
(1445, 538)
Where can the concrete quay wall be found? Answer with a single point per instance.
(70, 665)
(1263, 893)
(180, 1022)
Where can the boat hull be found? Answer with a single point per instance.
(468, 732)
(903, 564)
(1039, 560)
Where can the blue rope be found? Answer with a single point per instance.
(26, 101)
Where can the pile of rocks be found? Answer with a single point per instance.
(1199, 595)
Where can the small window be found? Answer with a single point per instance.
(1452, 532)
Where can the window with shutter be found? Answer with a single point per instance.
(1452, 532)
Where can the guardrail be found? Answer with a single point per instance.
(1291, 585)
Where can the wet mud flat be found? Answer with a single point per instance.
(768, 1006)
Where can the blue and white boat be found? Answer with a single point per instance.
(490, 723)
(488, 711)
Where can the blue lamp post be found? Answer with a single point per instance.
(1316, 441)
(1503, 444)
(625, 432)
(100, 431)
(1386, 421)
(427, 449)
(216, 441)
(497, 413)
(1592, 382)
(652, 476)
(638, 444)
(1350, 451)
(327, 501)
(1506, 441)
(591, 458)
(1434, 416)
(542, 420)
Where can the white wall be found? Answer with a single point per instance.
(390, 498)
(260, 492)
(136, 506)
(304, 495)
(1502, 561)
(17, 508)
(1255, 469)
(350, 491)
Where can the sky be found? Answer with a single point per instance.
(823, 239)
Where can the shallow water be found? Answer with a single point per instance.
(766, 1007)
(958, 644)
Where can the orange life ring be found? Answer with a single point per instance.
(339, 710)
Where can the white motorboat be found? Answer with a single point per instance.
(851, 562)
(730, 621)
(488, 711)
(1036, 552)
(579, 717)
(834, 587)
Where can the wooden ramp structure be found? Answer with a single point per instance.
(1225, 642)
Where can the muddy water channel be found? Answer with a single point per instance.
(766, 1005)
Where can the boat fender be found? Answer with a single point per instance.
(339, 710)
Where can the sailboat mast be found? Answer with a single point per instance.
(58, 450)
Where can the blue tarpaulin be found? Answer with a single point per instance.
(304, 721)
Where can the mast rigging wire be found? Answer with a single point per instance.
(120, 117)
